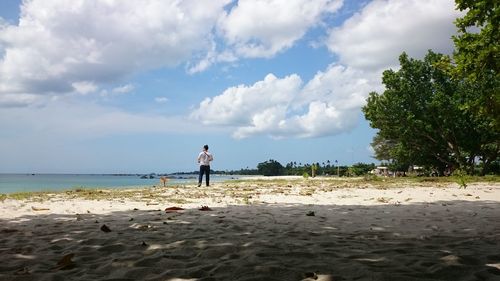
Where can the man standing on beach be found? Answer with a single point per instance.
(204, 159)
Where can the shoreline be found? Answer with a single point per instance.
(17, 186)
(256, 230)
(15, 183)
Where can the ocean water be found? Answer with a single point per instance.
(10, 183)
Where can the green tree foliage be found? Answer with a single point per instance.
(477, 62)
(477, 55)
(270, 168)
(422, 120)
(360, 169)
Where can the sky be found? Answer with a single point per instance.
(123, 86)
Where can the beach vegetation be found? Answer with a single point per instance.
(32, 196)
(314, 169)
(384, 199)
(360, 169)
(246, 199)
(327, 169)
(421, 120)
(443, 112)
(178, 200)
(372, 177)
(270, 168)
(294, 168)
(461, 178)
(306, 192)
(477, 58)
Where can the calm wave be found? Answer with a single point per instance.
(10, 183)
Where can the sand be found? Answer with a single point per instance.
(258, 230)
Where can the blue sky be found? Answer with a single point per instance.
(126, 86)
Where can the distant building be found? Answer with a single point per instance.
(381, 171)
(416, 170)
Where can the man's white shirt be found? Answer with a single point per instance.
(205, 157)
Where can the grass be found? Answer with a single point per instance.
(83, 193)
(470, 179)
(383, 199)
(32, 196)
(352, 181)
(273, 181)
(178, 201)
(307, 192)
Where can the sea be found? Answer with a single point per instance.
(12, 183)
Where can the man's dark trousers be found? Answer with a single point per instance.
(204, 169)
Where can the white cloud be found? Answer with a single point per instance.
(64, 119)
(321, 119)
(374, 37)
(120, 90)
(18, 100)
(60, 44)
(262, 28)
(123, 89)
(240, 105)
(161, 99)
(211, 57)
(84, 87)
(328, 104)
(333, 98)
(85, 46)
(346, 86)
(263, 122)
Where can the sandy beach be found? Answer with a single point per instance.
(277, 229)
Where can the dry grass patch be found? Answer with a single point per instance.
(383, 199)
(178, 201)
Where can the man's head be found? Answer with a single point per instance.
(205, 147)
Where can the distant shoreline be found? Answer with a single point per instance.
(11, 183)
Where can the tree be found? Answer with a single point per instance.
(314, 168)
(421, 118)
(477, 53)
(270, 168)
(360, 169)
(477, 62)
(383, 147)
